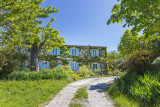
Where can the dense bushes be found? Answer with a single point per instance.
(156, 63)
(10, 60)
(144, 89)
(62, 72)
(138, 61)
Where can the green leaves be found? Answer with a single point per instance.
(141, 14)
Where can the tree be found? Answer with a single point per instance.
(20, 23)
(131, 42)
(141, 14)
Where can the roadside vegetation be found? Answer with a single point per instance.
(140, 86)
(80, 98)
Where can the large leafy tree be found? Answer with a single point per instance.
(141, 14)
(131, 42)
(20, 26)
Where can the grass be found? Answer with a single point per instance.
(28, 93)
(76, 105)
(81, 94)
(120, 99)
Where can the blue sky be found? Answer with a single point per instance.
(83, 22)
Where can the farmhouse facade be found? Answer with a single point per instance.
(74, 56)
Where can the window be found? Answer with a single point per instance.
(73, 52)
(74, 66)
(44, 64)
(59, 64)
(95, 66)
(55, 51)
(94, 52)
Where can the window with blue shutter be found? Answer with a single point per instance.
(94, 52)
(56, 51)
(59, 64)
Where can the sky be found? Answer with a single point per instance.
(83, 22)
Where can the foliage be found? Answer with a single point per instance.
(131, 42)
(21, 28)
(28, 93)
(113, 60)
(76, 105)
(143, 89)
(84, 71)
(62, 72)
(141, 14)
(11, 60)
(138, 61)
(156, 63)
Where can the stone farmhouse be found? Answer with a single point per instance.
(75, 56)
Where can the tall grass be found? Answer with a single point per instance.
(142, 89)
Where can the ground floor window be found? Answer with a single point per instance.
(59, 64)
(95, 66)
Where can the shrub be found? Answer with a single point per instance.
(18, 75)
(10, 60)
(84, 71)
(138, 61)
(156, 63)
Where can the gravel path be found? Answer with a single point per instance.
(96, 96)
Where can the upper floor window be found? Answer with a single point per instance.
(74, 51)
(94, 52)
(56, 51)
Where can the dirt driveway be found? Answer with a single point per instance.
(96, 95)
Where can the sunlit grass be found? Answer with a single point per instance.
(28, 93)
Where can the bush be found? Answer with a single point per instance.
(18, 75)
(10, 60)
(144, 89)
(156, 63)
(84, 71)
(138, 61)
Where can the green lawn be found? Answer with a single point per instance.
(28, 93)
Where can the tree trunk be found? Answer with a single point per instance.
(34, 58)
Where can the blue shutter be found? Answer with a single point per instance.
(70, 51)
(91, 52)
(98, 67)
(50, 52)
(26, 64)
(97, 52)
(40, 65)
(77, 52)
(53, 51)
(58, 51)
(71, 65)
(92, 67)
(47, 65)
(77, 66)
